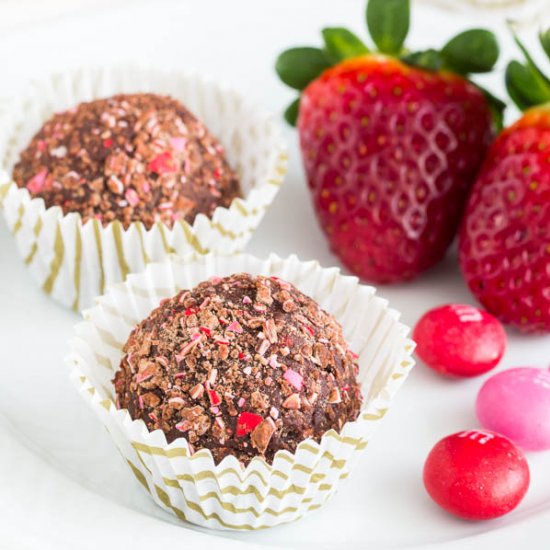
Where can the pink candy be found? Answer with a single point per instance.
(516, 403)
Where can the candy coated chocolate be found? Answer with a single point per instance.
(516, 403)
(459, 340)
(476, 474)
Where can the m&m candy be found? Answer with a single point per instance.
(516, 403)
(459, 340)
(476, 475)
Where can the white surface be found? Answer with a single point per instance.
(49, 437)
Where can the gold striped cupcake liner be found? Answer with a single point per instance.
(72, 261)
(228, 496)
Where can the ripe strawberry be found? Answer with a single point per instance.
(391, 142)
(505, 235)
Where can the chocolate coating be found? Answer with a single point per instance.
(243, 366)
(140, 157)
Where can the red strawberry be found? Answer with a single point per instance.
(505, 235)
(391, 145)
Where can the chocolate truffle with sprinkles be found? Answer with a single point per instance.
(139, 157)
(243, 366)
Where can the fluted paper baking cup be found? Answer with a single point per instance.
(227, 495)
(74, 261)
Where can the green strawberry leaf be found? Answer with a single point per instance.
(472, 51)
(388, 23)
(297, 67)
(430, 60)
(292, 111)
(514, 91)
(532, 65)
(544, 38)
(342, 44)
(524, 86)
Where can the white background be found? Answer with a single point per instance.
(62, 484)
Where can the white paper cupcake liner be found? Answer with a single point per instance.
(72, 261)
(228, 496)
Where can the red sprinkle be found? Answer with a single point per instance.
(246, 422)
(214, 396)
(206, 330)
(190, 311)
(107, 143)
(163, 163)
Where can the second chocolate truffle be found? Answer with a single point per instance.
(140, 157)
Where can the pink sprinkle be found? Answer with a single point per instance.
(213, 376)
(36, 183)
(143, 377)
(132, 197)
(323, 340)
(204, 303)
(176, 400)
(41, 145)
(197, 391)
(354, 355)
(195, 339)
(215, 410)
(140, 402)
(215, 280)
(263, 347)
(221, 342)
(179, 375)
(247, 370)
(220, 423)
(260, 307)
(183, 426)
(272, 362)
(294, 378)
(162, 360)
(247, 300)
(235, 327)
(178, 144)
(153, 417)
(274, 413)
(241, 402)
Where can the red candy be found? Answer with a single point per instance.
(459, 340)
(476, 475)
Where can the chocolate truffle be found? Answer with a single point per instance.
(140, 157)
(243, 366)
